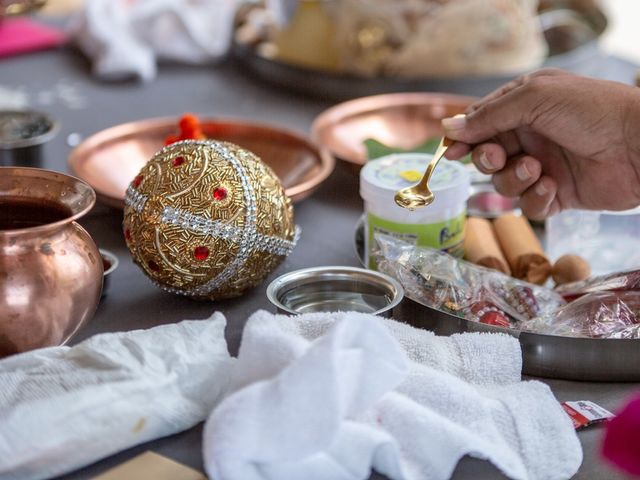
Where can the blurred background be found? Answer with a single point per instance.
(339, 49)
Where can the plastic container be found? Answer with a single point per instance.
(609, 241)
(439, 225)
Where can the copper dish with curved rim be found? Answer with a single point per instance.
(399, 120)
(110, 159)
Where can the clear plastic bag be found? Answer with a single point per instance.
(618, 281)
(595, 315)
(606, 307)
(469, 291)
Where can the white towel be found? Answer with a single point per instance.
(331, 396)
(64, 407)
(126, 38)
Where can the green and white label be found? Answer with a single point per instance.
(446, 235)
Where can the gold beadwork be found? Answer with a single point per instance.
(212, 226)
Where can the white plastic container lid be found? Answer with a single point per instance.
(380, 179)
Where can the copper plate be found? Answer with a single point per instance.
(110, 159)
(401, 120)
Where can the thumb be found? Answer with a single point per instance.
(502, 114)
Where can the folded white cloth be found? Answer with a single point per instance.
(125, 38)
(65, 407)
(331, 396)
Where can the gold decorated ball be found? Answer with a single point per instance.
(207, 219)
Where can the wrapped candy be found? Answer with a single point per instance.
(595, 315)
(443, 282)
(619, 281)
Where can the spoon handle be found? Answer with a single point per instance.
(438, 154)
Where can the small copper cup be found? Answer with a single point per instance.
(50, 268)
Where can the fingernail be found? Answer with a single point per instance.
(457, 122)
(484, 161)
(523, 173)
(541, 189)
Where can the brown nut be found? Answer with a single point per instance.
(570, 268)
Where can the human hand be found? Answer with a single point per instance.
(557, 140)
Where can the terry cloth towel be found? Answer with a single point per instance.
(334, 395)
(125, 38)
(64, 407)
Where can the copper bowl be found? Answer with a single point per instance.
(110, 159)
(399, 120)
(50, 268)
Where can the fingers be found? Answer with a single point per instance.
(517, 176)
(505, 113)
(540, 200)
(457, 151)
(517, 82)
(489, 157)
(509, 108)
(521, 176)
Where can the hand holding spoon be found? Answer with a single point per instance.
(419, 195)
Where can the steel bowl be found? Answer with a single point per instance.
(22, 135)
(331, 289)
(109, 262)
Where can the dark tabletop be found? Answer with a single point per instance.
(59, 82)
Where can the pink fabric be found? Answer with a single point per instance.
(622, 439)
(21, 35)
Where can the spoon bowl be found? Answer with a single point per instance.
(412, 198)
(420, 195)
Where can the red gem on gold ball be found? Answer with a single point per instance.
(201, 253)
(219, 194)
(153, 266)
(127, 235)
(177, 161)
(137, 181)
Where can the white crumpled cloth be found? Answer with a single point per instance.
(125, 38)
(331, 396)
(64, 407)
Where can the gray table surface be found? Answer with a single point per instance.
(60, 83)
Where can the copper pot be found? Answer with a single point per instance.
(50, 268)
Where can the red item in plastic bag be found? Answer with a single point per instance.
(613, 282)
(488, 313)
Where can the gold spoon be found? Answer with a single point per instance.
(419, 195)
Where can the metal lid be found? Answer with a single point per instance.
(25, 128)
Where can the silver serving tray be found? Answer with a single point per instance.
(572, 33)
(551, 356)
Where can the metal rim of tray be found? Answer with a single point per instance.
(582, 59)
(550, 356)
